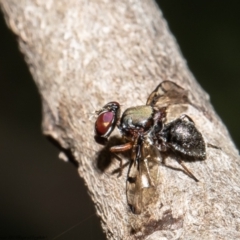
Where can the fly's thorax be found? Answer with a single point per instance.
(138, 118)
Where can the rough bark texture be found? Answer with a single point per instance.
(83, 54)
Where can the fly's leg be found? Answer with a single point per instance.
(135, 158)
(120, 164)
(213, 146)
(190, 174)
(187, 170)
(186, 117)
(119, 149)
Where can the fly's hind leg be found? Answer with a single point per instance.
(190, 174)
(213, 146)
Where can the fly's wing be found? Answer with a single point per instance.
(134, 188)
(142, 177)
(167, 93)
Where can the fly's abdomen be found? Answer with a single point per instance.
(184, 137)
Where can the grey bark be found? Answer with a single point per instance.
(83, 54)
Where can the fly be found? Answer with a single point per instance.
(149, 131)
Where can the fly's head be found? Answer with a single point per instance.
(106, 121)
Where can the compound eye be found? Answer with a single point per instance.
(107, 119)
(104, 124)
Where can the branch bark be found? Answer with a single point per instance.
(84, 54)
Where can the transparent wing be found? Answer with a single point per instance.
(167, 93)
(143, 176)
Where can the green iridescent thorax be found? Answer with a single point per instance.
(140, 116)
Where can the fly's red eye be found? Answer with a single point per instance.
(104, 123)
(107, 119)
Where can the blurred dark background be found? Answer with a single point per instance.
(43, 196)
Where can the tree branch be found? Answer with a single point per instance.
(84, 54)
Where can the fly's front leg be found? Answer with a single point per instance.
(119, 149)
